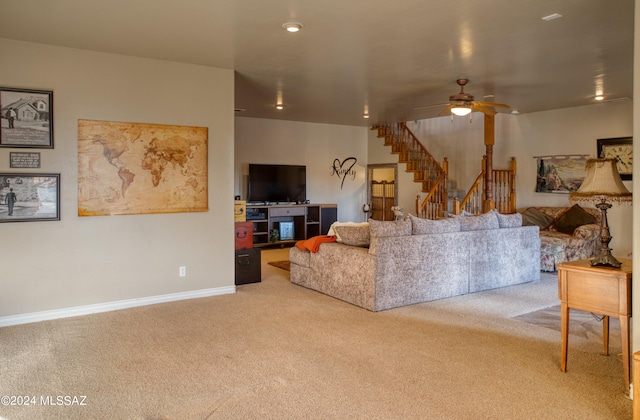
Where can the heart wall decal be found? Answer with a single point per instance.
(344, 169)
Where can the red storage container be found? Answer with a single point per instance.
(244, 235)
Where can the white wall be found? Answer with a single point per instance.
(573, 131)
(315, 145)
(90, 260)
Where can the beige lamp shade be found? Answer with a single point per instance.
(601, 183)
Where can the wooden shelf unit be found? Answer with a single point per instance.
(306, 218)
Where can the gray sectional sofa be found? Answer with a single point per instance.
(416, 260)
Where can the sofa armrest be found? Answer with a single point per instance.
(587, 232)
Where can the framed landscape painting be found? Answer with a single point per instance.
(560, 174)
(29, 197)
(26, 118)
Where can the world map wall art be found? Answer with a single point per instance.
(133, 168)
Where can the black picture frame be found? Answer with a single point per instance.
(620, 148)
(37, 197)
(26, 118)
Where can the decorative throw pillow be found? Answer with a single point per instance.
(485, 221)
(353, 235)
(509, 220)
(534, 217)
(420, 226)
(380, 229)
(572, 218)
(332, 228)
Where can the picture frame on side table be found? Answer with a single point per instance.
(29, 197)
(286, 231)
(621, 149)
(26, 118)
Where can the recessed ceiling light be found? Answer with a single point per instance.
(293, 26)
(365, 115)
(599, 98)
(553, 16)
(515, 112)
(280, 106)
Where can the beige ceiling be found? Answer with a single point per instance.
(385, 56)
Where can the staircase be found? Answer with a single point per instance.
(503, 188)
(433, 177)
(426, 170)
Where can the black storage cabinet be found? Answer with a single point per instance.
(248, 266)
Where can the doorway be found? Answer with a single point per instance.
(382, 190)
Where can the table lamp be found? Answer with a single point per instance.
(601, 186)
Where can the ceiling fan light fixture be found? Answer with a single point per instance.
(292, 26)
(461, 111)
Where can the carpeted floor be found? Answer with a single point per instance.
(274, 350)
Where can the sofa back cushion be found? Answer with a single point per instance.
(382, 229)
(509, 220)
(485, 221)
(420, 226)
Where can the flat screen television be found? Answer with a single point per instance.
(277, 183)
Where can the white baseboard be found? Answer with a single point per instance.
(111, 306)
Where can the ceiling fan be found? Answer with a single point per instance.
(463, 103)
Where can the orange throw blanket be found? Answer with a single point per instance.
(313, 244)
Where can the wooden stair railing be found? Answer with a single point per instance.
(426, 170)
(504, 192)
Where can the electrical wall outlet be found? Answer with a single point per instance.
(182, 271)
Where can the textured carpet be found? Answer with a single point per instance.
(274, 350)
(285, 265)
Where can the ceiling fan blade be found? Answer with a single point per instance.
(446, 111)
(493, 104)
(431, 106)
(476, 107)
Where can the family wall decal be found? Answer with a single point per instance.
(344, 169)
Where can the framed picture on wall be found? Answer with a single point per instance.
(29, 197)
(26, 118)
(620, 149)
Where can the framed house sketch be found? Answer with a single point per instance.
(26, 118)
(621, 149)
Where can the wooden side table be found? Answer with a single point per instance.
(601, 290)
